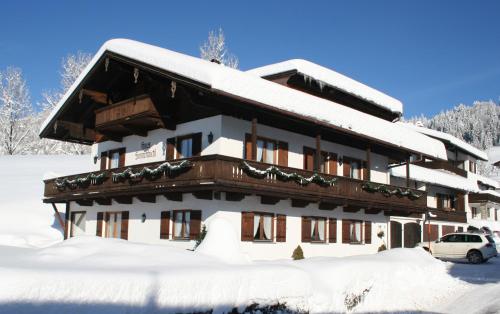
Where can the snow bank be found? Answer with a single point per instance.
(25, 220)
(91, 274)
(332, 78)
(221, 242)
(437, 177)
(267, 94)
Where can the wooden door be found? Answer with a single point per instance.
(412, 232)
(396, 234)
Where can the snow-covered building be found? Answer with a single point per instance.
(177, 141)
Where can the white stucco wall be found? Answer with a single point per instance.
(149, 231)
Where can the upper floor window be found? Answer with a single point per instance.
(112, 159)
(355, 168)
(445, 201)
(472, 166)
(267, 150)
(184, 146)
(327, 162)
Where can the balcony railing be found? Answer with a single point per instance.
(227, 174)
(445, 165)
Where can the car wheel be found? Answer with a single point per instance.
(475, 257)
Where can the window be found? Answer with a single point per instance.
(475, 214)
(327, 162)
(115, 160)
(78, 221)
(355, 170)
(182, 221)
(263, 227)
(454, 238)
(185, 148)
(355, 232)
(445, 201)
(473, 238)
(318, 230)
(266, 151)
(472, 166)
(112, 159)
(113, 224)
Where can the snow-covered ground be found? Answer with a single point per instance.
(41, 274)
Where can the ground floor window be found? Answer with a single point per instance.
(113, 224)
(355, 232)
(78, 221)
(182, 222)
(318, 229)
(263, 227)
(260, 226)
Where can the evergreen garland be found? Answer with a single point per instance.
(80, 182)
(165, 168)
(387, 192)
(283, 176)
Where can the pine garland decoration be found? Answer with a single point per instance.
(165, 168)
(80, 182)
(387, 192)
(284, 176)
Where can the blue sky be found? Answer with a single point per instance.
(432, 55)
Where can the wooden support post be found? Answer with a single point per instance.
(67, 222)
(254, 139)
(317, 158)
(368, 163)
(58, 216)
(408, 172)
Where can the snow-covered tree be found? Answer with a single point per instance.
(16, 125)
(71, 67)
(215, 49)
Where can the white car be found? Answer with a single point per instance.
(475, 247)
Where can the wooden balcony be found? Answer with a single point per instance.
(445, 165)
(132, 116)
(205, 175)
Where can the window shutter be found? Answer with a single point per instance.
(364, 170)
(281, 228)
(164, 225)
(124, 229)
(346, 238)
(100, 217)
(347, 167)
(306, 229)
(195, 224)
(332, 164)
(121, 162)
(368, 232)
(308, 158)
(283, 154)
(247, 226)
(439, 199)
(332, 230)
(460, 204)
(248, 146)
(171, 148)
(197, 144)
(104, 160)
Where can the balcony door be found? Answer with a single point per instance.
(113, 224)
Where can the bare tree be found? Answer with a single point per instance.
(15, 113)
(214, 49)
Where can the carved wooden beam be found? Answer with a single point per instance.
(98, 97)
(147, 198)
(123, 199)
(84, 202)
(203, 195)
(135, 130)
(269, 200)
(173, 196)
(300, 203)
(234, 196)
(103, 201)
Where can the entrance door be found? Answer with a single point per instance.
(412, 233)
(77, 223)
(396, 234)
(113, 224)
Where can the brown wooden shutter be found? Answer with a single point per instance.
(100, 218)
(332, 164)
(368, 232)
(306, 229)
(439, 200)
(460, 204)
(195, 224)
(280, 228)
(308, 158)
(283, 154)
(124, 229)
(104, 160)
(197, 144)
(164, 224)
(433, 233)
(332, 230)
(346, 237)
(121, 162)
(248, 146)
(247, 226)
(171, 148)
(364, 170)
(347, 167)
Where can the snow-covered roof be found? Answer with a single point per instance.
(265, 93)
(484, 180)
(448, 138)
(330, 77)
(436, 177)
(490, 192)
(493, 154)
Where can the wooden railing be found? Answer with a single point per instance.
(441, 164)
(139, 106)
(221, 173)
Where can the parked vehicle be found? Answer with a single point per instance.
(474, 247)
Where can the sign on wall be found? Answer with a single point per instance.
(146, 151)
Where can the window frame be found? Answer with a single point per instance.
(325, 156)
(361, 231)
(107, 224)
(261, 226)
(72, 215)
(264, 150)
(183, 224)
(317, 219)
(178, 145)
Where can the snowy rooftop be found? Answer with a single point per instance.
(484, 180)
(448, 138)
(266, 93)
(494, 154)
(490, 192)
(334, 79)
(436, 177)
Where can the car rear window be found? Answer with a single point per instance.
(490, 239)
(474, 238)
